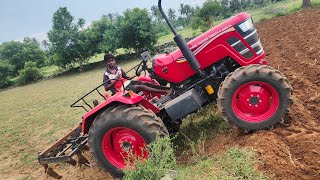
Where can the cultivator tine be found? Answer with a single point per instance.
(62, 150)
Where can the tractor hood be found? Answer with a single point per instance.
(173, 66)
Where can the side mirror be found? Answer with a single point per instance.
(146, 56)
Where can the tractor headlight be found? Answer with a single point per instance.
(246, 25)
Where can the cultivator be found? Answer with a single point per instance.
(63, 150)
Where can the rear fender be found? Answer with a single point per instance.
(118, 98)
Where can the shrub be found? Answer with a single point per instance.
(161, 161)
(5, 71)
(29, 74)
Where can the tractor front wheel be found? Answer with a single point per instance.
(254, 97)
(121, 132)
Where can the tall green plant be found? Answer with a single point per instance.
(136, 30)
(29, 73)
(161, 161)
(5, 72)
(68, 45)
(17, 53)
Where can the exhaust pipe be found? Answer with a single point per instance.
(182, 44)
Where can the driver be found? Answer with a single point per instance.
(115, 72)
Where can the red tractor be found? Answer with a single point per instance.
(225, 64)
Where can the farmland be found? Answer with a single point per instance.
(36, 115)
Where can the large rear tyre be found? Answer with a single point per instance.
(120, 130)
(254, 97)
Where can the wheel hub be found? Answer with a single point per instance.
(255, 101)
(120, 144)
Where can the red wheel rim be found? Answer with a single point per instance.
(255, 101)
(118, 142)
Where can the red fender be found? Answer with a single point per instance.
(117, 98)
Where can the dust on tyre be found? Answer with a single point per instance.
(121, 129)
(254, 97)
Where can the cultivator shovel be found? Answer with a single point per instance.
(63, 149)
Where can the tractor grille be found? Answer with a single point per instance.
(251, 37)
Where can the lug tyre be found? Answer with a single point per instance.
(254, 97)
(121, 129)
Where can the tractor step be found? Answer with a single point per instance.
(63, 149)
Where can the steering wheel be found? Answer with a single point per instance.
(140, 68)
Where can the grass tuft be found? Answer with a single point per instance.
(161, 161)
(236, 163)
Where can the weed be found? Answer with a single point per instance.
(236, 163)
(161, 160)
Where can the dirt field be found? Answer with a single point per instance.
(291, 150)
(292, 44)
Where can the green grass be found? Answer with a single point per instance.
(236, 163)
(186, 32)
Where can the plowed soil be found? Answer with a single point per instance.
(292, 43)
(291, 150)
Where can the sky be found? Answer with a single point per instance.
(33, 18)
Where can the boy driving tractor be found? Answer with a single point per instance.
(115, 72)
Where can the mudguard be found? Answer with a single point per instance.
(120, 97)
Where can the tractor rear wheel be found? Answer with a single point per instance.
(120, 131)
(254, 97)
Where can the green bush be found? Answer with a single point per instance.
(29, 74)
(5, 71)
(161, 161)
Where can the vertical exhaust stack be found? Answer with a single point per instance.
(182, 44)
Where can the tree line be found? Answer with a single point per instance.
(70, 43)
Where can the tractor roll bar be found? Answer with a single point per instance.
(96, 89)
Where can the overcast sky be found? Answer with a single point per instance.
(32, 18)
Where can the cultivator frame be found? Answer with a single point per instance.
(63, 149)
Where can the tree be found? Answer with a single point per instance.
(182, 9)
(258, 2)
(29, 73)
(63, 38)
(136, 30)
(17, 53)
(103, 36)
(5, 71)
(243, 4)
(235, 5)
(171, 14)
(205, 15)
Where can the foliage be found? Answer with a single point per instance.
(171, 14)
(69, 45)
(161, 160)
(205, 16)
(136, 30)
(5, 72)
(103, 35)
(17, 53)
(234, 5)
(29, 73)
